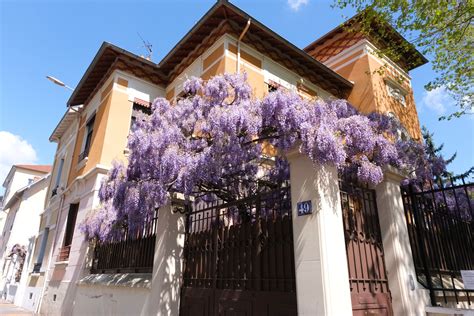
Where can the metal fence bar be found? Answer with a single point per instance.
(127, 253)
(441, 230)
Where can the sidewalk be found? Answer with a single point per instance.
(8, 309)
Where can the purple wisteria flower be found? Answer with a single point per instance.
(217, 140)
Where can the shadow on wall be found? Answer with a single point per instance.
(407, 114)
(166, 281)
(56, 285)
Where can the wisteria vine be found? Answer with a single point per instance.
(220, 140)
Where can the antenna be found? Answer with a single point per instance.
(147, 46)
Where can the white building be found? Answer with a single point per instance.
(26, 187)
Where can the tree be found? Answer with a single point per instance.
(220, 141)
(434, 154)
(443, 30)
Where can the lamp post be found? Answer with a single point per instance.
(59, 82)
(62, 84)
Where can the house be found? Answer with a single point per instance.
(26, 187)
(64, 135)
(18, 177)
(118, 84)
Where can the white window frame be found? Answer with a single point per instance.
(396, 91)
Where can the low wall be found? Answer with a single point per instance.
(115, 294)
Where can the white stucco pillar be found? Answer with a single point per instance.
(322, 278)
(407, 296)
(167, 266)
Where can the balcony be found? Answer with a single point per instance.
(83, 155)
(64, 253)
(37, 267)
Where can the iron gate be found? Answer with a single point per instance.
(239, 257)
(370, 293)
(440, 224)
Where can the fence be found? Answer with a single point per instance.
(364, 249)
(128, 253)
(441, 231)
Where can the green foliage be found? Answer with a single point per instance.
(443, 30)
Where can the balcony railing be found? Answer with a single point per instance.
(83, 155)
(37, 267)
(64, 253)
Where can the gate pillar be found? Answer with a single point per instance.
(322, 279)
(407, 296)
(167, 265)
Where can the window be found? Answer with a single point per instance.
(87, 138)
(58, 177)
(396, 92)
(402, 133)
(69, 233)
(272, 86)
(137, 112)
(39, 260)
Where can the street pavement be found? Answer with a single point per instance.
(8, 309)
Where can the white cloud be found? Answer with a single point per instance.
(296, 4)
(437, 100)
(14, 150)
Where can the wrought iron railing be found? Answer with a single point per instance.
(244, 244)
(440, 224)
(64, 253)
(36, 267)
(127, 253)
(240, 253)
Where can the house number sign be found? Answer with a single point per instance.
(304, 208)
(468, 279)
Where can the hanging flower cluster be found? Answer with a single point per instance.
(214, 141)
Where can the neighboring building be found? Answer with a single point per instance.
(18, 177)
(65, 136)
(23, 210)
(118, 83)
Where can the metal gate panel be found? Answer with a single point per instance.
(239, 257)
(370, 293)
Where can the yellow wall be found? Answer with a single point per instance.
(117, 127)
(407, 114)
(255, 79)
(110, 131)
(362, 94)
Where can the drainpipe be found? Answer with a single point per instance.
(238, 44)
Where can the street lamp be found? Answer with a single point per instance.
(59, 82)
(62, 84)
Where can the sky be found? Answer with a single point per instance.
(60, 38)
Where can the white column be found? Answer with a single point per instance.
(168, 264)
(322, 278)
(407, 296)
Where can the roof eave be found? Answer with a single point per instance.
(418, 55)
(346, 84)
